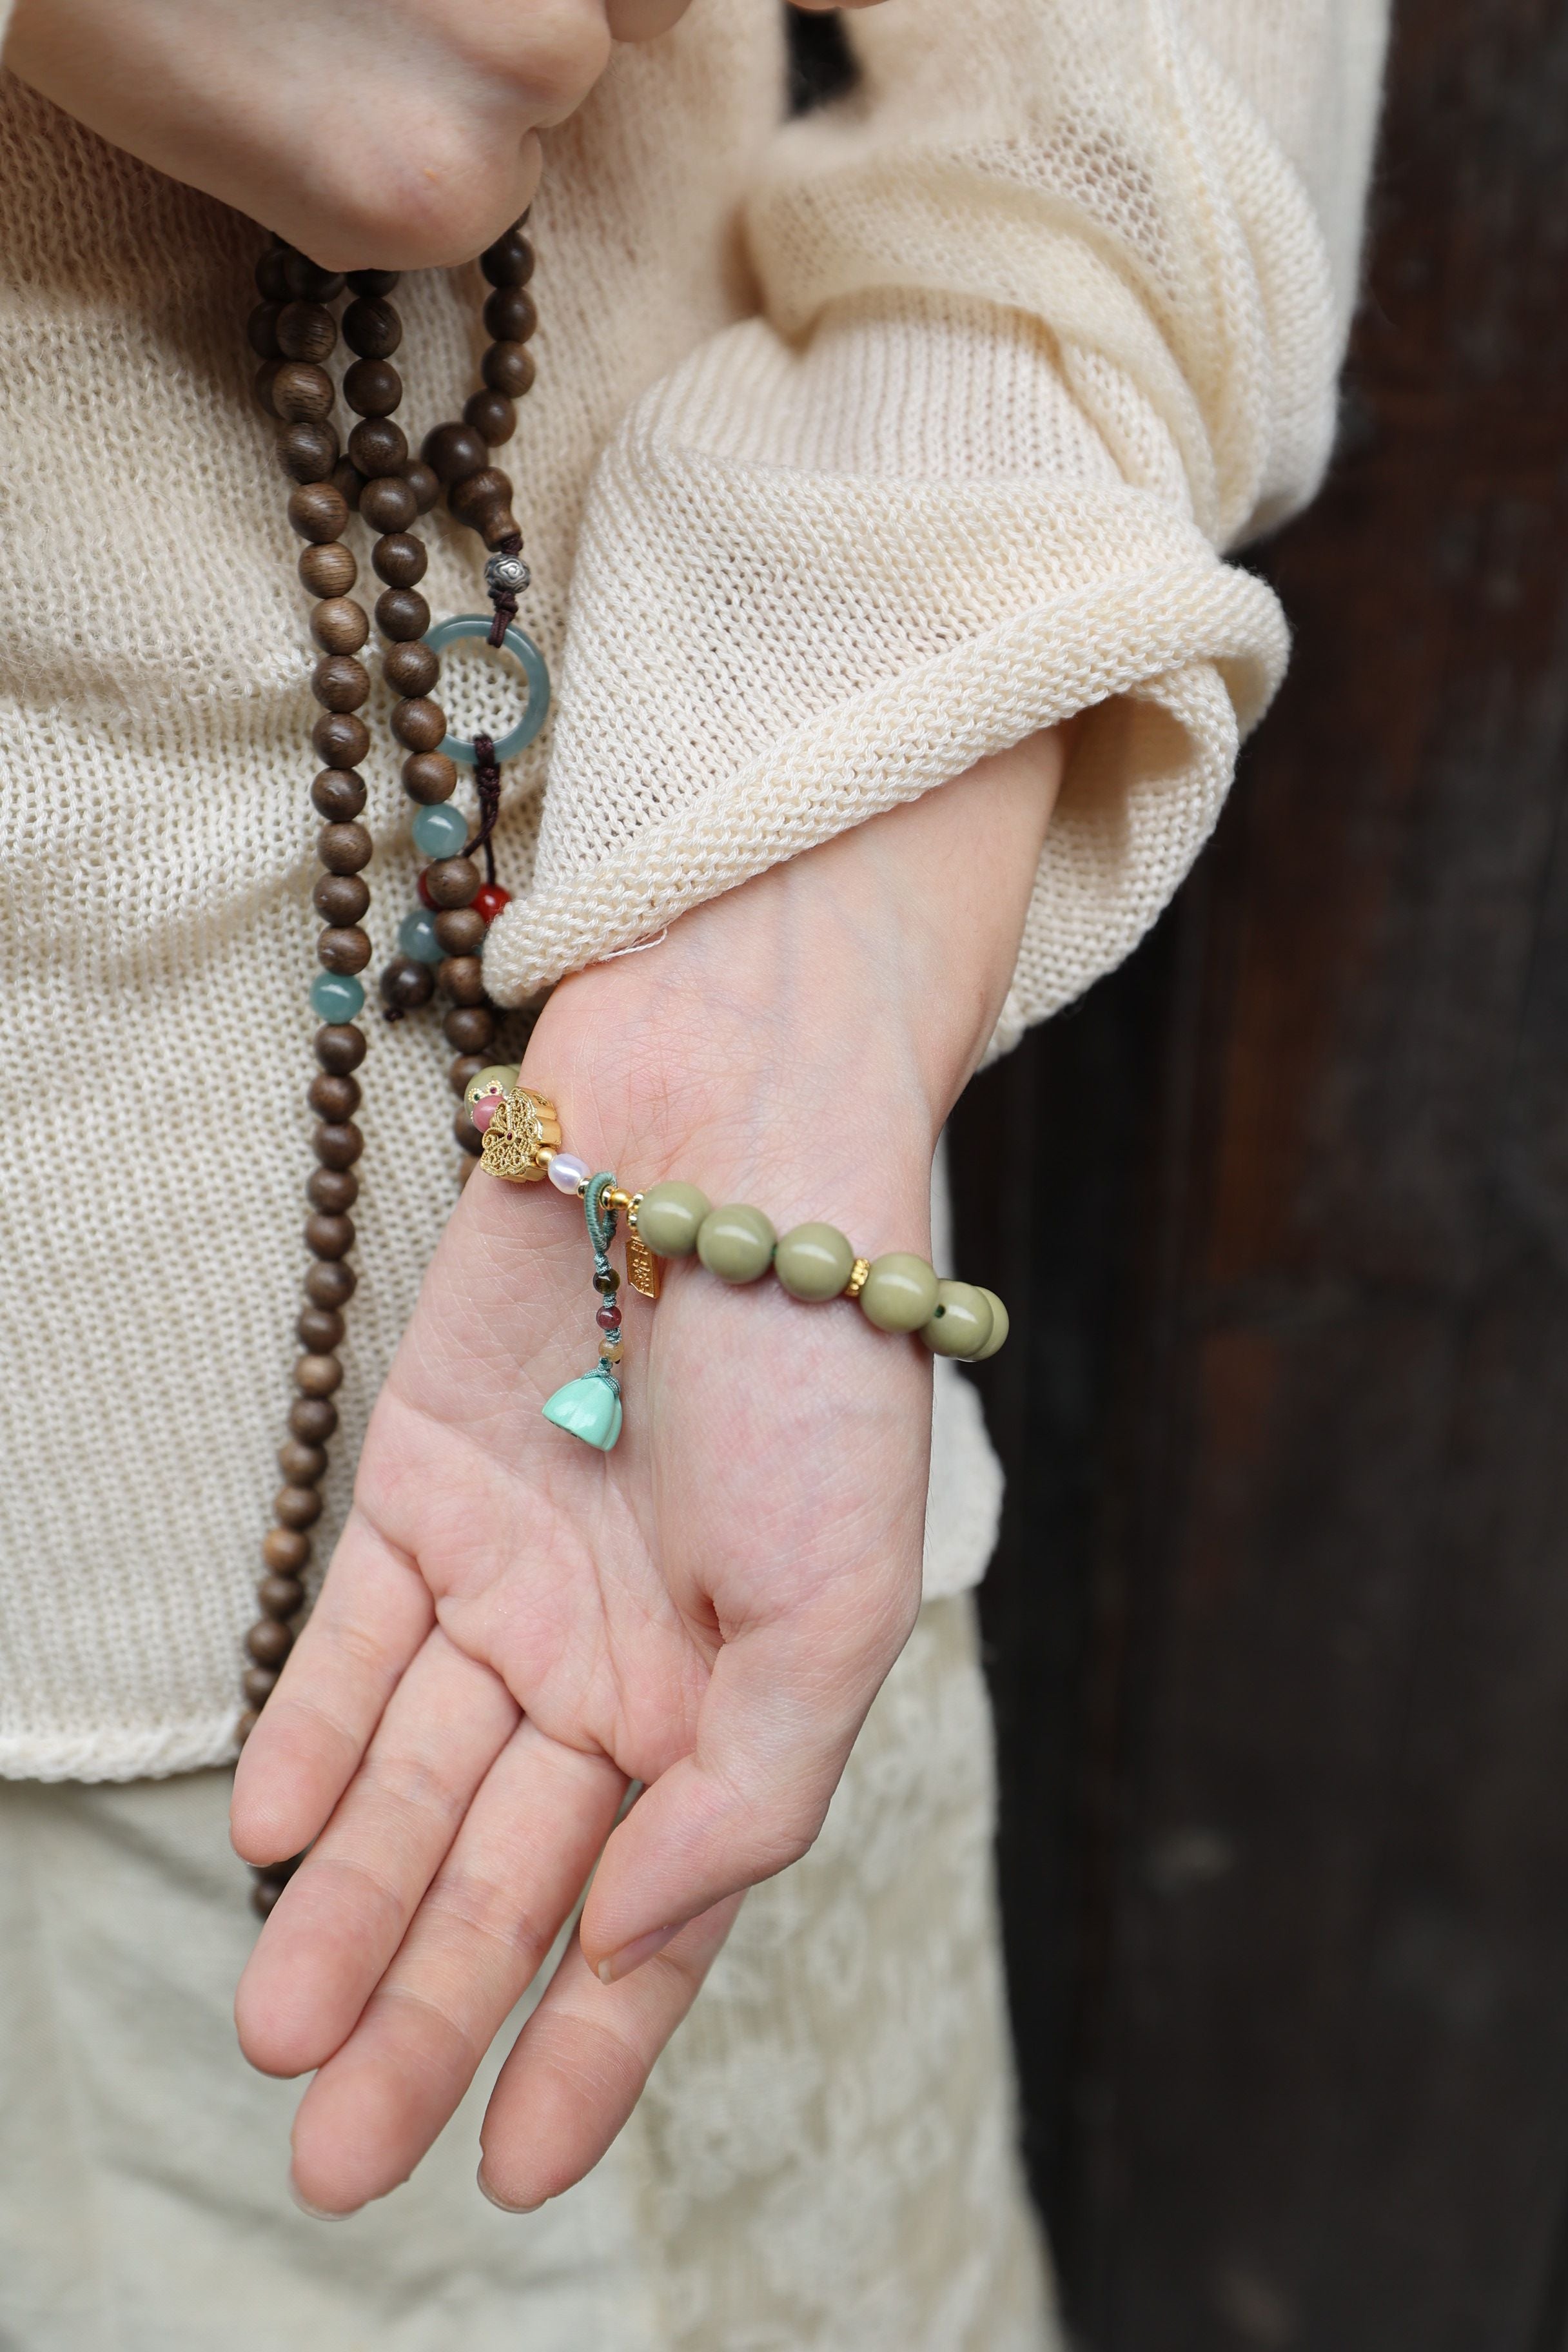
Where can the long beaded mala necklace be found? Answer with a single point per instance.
(294, 331)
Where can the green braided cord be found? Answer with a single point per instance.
(601, 1228)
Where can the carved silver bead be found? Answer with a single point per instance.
(509, 573)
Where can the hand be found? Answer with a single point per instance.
(390, 135)
(514, 1627)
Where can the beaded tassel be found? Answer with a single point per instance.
(590, 1408)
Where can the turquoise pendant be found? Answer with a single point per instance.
(590, 1408)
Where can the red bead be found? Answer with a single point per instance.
(489, 898)
(425, 897)
(484, 1110)
(608, 1317)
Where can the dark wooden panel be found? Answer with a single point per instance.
(1280, 1628)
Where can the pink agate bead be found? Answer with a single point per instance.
(567, 1173)
(608, 1317)
(484, 1110)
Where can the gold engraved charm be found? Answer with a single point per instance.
(642, 1267)
(520, 1138)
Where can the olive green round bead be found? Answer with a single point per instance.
(899, 1293)
(814, 1262)
(998, 1326)
(961, 1320)
(735, 1242)
(497, 1078)
(669, 1218)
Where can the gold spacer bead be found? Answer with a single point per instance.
(613, 1198)
(857, 1282)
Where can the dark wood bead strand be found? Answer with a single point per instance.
(294, 332)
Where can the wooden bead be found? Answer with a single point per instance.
(318, 1376)
(409, 668)
(492, 416)
(319, 511)
(508, 367)
(378, 446)
(307, 282)
(348, 482)
(258, 1682)
(407, 984)
(469, 1028)
(466, 1132)
(509, 315)
(421, 724)
(319, 1329)
(339, 793)
(344, 848)
(340, 899)
(373, 281)
(451, 881)
(306, 332)
(270, 282)
(302, 393)
(285, 1549)
(261, 384)
(452, 452)
(333, 1095)
(339, 682)
(269, 1642)
(302, 1465)
(510, 260)
(341, 739)
(330, 1284)
(466, 1066)
(343, 948)
(402, 613)
(372, 328)
(337, 1143)
(313, 1419)
(333, 1191)
(460, 930)
(298, 1506)
(329, 1236)
(400, 558)
(340, 625)
(423, 481)
(261, 330)
(340, 1046)
(487, 488)
(429, 777)
(280, 1596)
(308, 453)
(463, 978)
(388, 503)
(329, 571)
(497, 526)
(372, 387)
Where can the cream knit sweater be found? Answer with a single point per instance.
(861, 448)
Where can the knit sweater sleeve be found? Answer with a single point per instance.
(1049, 315)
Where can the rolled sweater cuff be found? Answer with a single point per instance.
(816, 581)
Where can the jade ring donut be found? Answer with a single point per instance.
(522, 649)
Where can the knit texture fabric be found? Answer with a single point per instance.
(860, 448)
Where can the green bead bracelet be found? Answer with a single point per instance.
(898, 1292)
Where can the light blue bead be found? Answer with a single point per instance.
(334, 998)
(590, 1408)
(416, 937)
(441, 831)
(522, 649)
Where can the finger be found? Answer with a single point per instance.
(778, 1719)
(343, 1914)
(373, 1612)
(475, 1945)
(642, 20)
(579, 2065)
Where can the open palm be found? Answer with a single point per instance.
(514, 1628)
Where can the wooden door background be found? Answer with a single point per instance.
(1278, 1635)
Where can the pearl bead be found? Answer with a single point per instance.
(335, 997)
(416, 937)
(566, 1173)
(441, 831)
